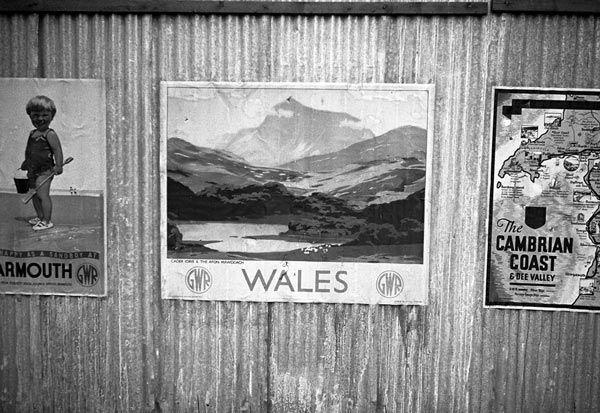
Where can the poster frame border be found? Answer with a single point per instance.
(103, 102)
(429, 88)
(492, 141)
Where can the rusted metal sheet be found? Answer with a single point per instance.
(248, 7)
(134, 351)
(545, 6)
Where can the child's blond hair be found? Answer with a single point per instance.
(40, 103)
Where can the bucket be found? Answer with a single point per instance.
(22, 185)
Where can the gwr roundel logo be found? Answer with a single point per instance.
(198, 280)
(87, 275)
(389, 284)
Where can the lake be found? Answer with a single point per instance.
(230, 237)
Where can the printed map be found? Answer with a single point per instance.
(544, 227)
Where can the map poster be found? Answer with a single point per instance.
(544, 220)
(295, 192)
(67, 257)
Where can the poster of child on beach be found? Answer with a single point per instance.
(52, 187)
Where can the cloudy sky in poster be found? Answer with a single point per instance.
(201, 116)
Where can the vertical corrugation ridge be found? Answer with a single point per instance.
(150, 252)
(19, 50)
(222, 372)
(115, 380)
(133, 351)
(440, 310)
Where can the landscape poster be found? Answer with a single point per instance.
(544, 219)
(52, 241)
(296, 192)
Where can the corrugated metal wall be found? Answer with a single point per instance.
(134, 351)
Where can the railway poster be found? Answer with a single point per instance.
(544, 218)
(295, 192)
(52, 187)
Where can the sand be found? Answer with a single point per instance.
(78, 224)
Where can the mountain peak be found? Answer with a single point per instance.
(295, 131)
(292, 104)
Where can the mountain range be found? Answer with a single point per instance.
(343, 161)
(200, 167)
(293, 131)
(402, 142)
(360, 183)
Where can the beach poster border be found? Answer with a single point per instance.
(69, 259)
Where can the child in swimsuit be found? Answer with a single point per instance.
(43, 156)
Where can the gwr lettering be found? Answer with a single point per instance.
(199, 280)
(87, 275)
(322, 281)
(389, 284)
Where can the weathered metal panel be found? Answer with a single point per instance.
(250, 7)
(19, 44)
(134, 351)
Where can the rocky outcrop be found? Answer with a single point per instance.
(174, 237)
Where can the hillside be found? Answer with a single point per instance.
(402, 142)
(315, 215)
(198, 168)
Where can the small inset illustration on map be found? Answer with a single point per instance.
(529, 132)
(581, 197)
(552, 120)
(571, 163)
(555, 183)
(553, 262)
(593, 228)
(586, 286)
